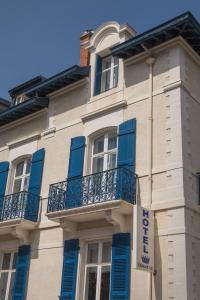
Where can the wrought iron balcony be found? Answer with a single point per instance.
(114, 184)
(23, 205)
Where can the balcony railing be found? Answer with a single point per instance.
(119, 183)
(23, 205)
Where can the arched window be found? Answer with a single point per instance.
(104, 151)
(21, 175)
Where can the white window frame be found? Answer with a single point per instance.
(9, 271)
(106, 151)
(23, 176)
(98, 265)
(111, 68)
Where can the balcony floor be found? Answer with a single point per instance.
(111, 211)
(16, 229)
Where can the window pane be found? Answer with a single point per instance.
(91, 282)
(97, 164)
(111, 161)
(26, 183)
(115, 76)
(3, 285)
(19, 169)
(105, 283)
(99, 145)
(106, 63)
(14, 261)
(6, 261)
(28, 166)
(17, 185)
(92, 253)
(106, 253)
(112, 141)
(11, 286)
(116, 61)
(105, 85)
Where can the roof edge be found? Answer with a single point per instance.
(187, 16)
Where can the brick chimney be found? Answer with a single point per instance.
(84, 52)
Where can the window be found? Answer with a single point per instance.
(19, 100)
(21, 175)
(7, 275)
(97, 271)
(104, 152)
(106, 74)
(109, 77)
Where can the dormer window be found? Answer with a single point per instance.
(19, 100)
(109, 78)
(107, 69)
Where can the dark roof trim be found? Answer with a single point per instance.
(59, 81)
(5, 102)
(23, 109)
(184, 25)
(25, 86)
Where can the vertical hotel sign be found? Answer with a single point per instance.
(143, 239)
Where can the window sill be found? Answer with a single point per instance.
(109, 108)
(111, 211)
(105, 94)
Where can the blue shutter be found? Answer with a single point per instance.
(21, 275)
(98, 73)
(126, 144)
(4, 168)
(69, 273)
(121, 264)
(75, 172)
(37, 163)
(36, 172)
(77, 150)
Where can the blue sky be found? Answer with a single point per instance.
(42, 36)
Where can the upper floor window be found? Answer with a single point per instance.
(107, 70)
(104, 152)
(21, 175)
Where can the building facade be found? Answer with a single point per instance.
(80, 149)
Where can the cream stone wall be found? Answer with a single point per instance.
(190, 93)
(46, 264)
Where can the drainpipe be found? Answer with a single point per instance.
(150, 61)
